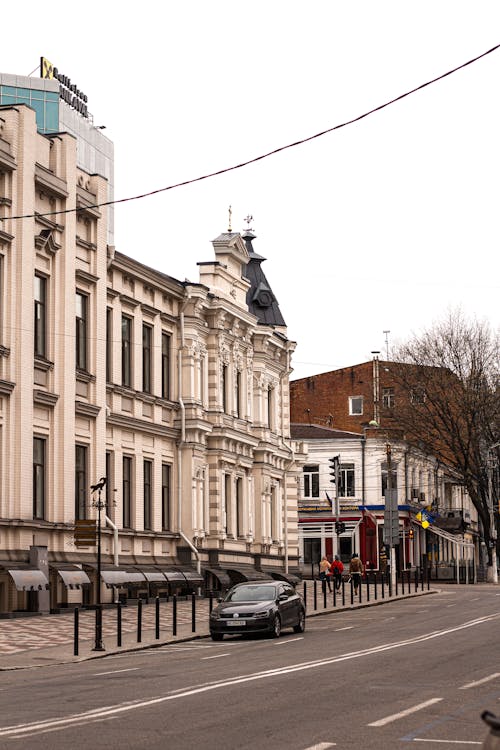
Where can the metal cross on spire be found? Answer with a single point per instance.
(248, 220)
(229, 229)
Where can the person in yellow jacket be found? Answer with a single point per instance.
(356, 571)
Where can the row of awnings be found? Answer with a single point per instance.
(26, 578)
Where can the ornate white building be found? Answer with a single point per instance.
(176, 392)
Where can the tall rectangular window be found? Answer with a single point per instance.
(224, 388)
(311, 481)
(227, 503)
(127, 492)
(109, 345)
(388, 398)
(166, 520)
(81, 304)
(148, 475)
(238, 393)
(126, 350)
(270, 407)
(110, 484)
(40, 331)
(81, 483)
(165, 365)
(239, 507)
(147, 338)
(347, 487)
(39, 469)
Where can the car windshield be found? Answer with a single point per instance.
(251, 594)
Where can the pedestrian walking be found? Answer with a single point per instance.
(324, 569)
(337, 568)
(356, 571)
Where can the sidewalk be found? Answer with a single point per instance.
(48, 640)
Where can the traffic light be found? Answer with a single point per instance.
(333, 469)
(339, 527)
(410, 534)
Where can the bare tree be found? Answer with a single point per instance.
(448, 401)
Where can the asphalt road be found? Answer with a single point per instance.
(416, 671)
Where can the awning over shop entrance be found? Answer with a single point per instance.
(221, 576)
(122, 577)
(247, 574)
(191, 576)
(29, 579)
(72, 576)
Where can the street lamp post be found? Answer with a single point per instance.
(100, 505)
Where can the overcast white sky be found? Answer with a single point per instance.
(383, 225)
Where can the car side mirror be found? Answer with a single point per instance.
(282, 597)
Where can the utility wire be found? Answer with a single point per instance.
(266, 155)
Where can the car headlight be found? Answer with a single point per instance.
(263, 613)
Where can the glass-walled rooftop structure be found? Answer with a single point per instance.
(45, 104)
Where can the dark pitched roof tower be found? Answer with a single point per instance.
(260, 298)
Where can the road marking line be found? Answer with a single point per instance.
(116, 671)
(451, 605)
(290, 640)
(406, 712)
(452, 742)
(349, 627)
(217, 656)
(17, 730)
(480, 682)
(322, 746)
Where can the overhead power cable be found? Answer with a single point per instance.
(262, 156)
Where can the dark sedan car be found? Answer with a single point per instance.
(258, 607)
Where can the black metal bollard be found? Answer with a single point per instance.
(335, 593)
(408, 573)
(402, 582)
(139, 621)
(428, 580)
(118, 623)
(315, 594)
(343, 592)
(360, 587)
(375, 585)
(76, 631)
(174, 614)
(352, 592)
(367, 587)
(210, 602)
(383, 586)
(324, 594)
(396, 583)
(157, 618)
(305, 594)
(416, 580)
(193, 613)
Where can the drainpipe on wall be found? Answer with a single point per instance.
(179, 452)
(115, 539)
(363, 445)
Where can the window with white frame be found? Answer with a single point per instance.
(81, 304)
(388, 398)
(311, 481)
(355, 406)
(347, 486)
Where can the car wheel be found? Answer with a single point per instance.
(301, 625)
(216, 636)
(276, 631)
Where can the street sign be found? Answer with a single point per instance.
(85, 533)
(391, 518)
